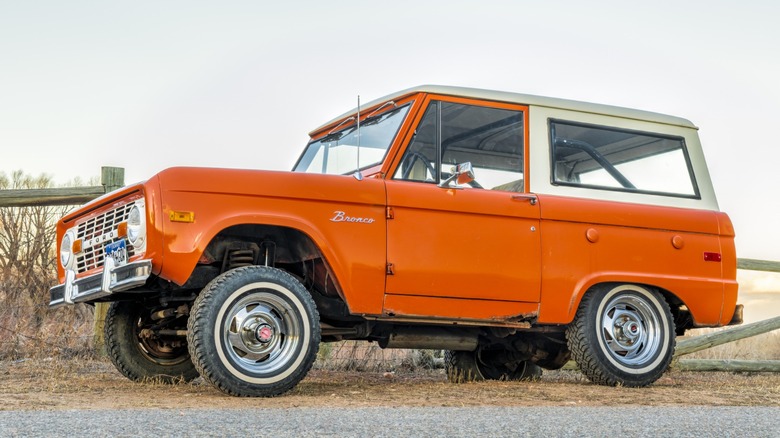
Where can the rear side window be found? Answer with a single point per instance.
(615, 159)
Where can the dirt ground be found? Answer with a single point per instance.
(92, 384)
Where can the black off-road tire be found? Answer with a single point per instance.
(461, 367)
(464, 366)
(139, 358)
(622, 334)
(254, 332)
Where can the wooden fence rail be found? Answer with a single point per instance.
(111, 179)
(758, 265)
(732, 365)
(703, 342)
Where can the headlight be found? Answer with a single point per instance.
(66, 249)
(136, 225)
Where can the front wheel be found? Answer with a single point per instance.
(254, 331)
(622, 335)
(140, 353)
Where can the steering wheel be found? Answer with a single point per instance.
(411, 159)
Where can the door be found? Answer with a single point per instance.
(477, 241)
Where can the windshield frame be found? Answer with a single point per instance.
(347, 127)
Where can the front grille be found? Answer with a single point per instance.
(92, 254)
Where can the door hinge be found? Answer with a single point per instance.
(389, 213)
(390, 269)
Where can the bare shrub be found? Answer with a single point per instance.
(28, 268)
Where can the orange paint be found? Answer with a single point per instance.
(456, 254)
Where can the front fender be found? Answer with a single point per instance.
(219, 199)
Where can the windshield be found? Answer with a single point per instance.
(337, 152)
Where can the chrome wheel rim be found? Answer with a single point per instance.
(631, 330)
(262, 333)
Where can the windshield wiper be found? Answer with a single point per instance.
(372, 120)
(336, 136)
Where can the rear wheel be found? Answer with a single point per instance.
(622, 335)
(254, 331)
(467, 366)
(138, 352)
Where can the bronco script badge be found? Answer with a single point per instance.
(340, 216)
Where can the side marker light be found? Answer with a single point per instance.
(712, 257)
(182, 216)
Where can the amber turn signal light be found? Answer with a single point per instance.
(121, 229)
(182, 216)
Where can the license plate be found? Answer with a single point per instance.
(117, 251)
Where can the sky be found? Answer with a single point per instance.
(147, 85)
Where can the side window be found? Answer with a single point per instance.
(615, 159)
(419, 162)
(491, 139)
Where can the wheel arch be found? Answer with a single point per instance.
(291, 247)
(684, 316)
(623, 334)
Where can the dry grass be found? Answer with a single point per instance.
(357, 374)
(28, 332)
(94, 384)
(367, 356)
(55, 367)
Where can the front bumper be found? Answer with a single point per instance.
(112, 279)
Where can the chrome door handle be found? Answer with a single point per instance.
(523, 197)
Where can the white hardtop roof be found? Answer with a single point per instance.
(525, 99)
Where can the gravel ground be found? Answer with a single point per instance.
(90, 398)
(631, 421)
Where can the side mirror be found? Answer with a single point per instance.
(461, 173)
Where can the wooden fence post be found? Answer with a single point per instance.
(112, 178)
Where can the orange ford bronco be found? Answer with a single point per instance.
(514, 231)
